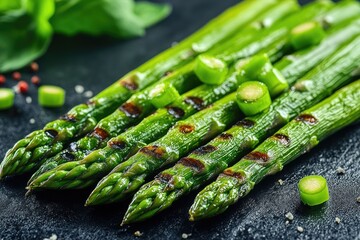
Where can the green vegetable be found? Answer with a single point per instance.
(25, 32)
(293, 140)
(313, 190)
(151, 128)
(210, 70)
(116, 122)
(307, 34)
(214, 157)
(163, 94)
(260, 68)
(6, 98)
(253, 97)
(51, 96)
(116, 18)
(30, 152)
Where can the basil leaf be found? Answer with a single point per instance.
(25, 33)
(116, 18)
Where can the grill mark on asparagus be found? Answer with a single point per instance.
(51, 133)
(205, 149)
(193, 163)
(246, 123)
(176, 112)
(225, 136)
(164, 178)
(282, 138)
(130, 110)
(91, 103)
(307, 118)
(186, 128)
(195, 102)
(153, 151)
(130, 83)
(68, 118)
(167, 73)
(100, 133)
(258, 157)
(117, 144)
(231, 173)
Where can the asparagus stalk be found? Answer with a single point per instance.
(211, 159)
(95, 165)
(139, 104)
(40, 144)
(291, 141)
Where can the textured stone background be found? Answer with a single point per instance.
(96, 63)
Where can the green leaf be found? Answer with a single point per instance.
(6, 5)
(116, 18)
(151, 13)
(25, 33)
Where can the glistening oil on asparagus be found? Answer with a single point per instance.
(139, 105)
(215, 156)
(314, 124)
(26, 153)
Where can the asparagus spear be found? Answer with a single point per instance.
(139, 104)
(81, 119)
(211, 159)
(95, 165)
(293, 140)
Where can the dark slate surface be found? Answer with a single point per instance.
(95, 63)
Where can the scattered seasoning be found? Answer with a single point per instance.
(138, 234)
(28, 100)
(23, 87)
(32, 121)
(358, 199)
(79, 89)
(289, 216)
(337, 220)
(35, 80)
(185, 235)
(281, 182)
(34, 66)
(2, 79)
(16, 76)
(287, 222)
(52, 237)
(300, 229)
(340, 171)
(88, 94)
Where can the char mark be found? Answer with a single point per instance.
(258, 156)
(246, 123)
(100, 133)
(195, 102)
(130, 109)
(164, 178)
(225, 136)
(68, 117)
(205, 149)
(186, 128)
(231, 173)
(117, 144)
(167, 73)
(51, 133)
(193, 163)
(130, 83)
(282, 138)
(176, 112)
(153, 151)
(307, 118)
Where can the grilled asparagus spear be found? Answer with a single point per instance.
(211, 159)
(84, 173)
(138, 106)
(291, 141)
(26, 153)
